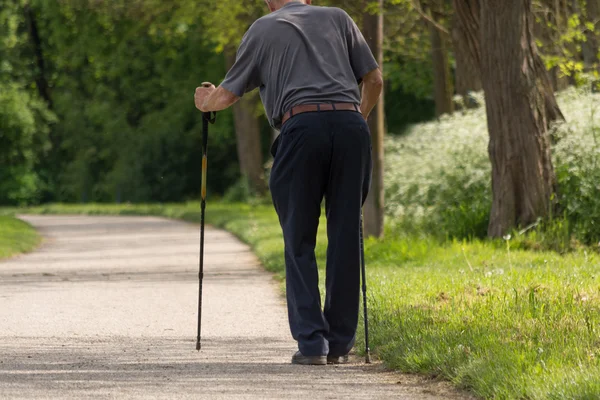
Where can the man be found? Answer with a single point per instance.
(308, 62)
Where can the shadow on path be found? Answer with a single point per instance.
(234, 367)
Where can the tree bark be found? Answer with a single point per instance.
(41, 80)
(514, 80)
(374, 206)
(247, 133)
(561, 16)
(553, 112)
(591, 47)
(442, 82)
(465, 39)
(553, 13)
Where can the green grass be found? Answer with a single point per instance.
(16, 237)
(503, 323)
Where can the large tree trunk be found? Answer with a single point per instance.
(442, 81)
(374, 206)
(514, 81)
(465, 39)
(247, 133)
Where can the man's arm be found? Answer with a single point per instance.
(364, 65)
(371, 91)
(210, 99)
(241, 78)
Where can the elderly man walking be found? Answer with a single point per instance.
(308, 62)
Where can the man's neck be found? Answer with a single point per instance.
(285, 3)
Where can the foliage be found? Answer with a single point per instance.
(234, 18)
(122, 79)
(563, 33)
(438, 175)
(117, 76)
(24, 118)
(23, 139)
(121, 76)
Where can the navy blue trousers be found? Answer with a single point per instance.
(322, 155)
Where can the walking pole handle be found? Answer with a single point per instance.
(208, 116)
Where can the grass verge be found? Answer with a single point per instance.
(505, 324)
(16, 237)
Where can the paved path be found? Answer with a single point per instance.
(106, 308)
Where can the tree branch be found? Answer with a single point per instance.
(428, 18)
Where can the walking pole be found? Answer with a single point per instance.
(206, 118)
(364, 293)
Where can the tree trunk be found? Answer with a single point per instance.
(374, 206)
(514, 81)
(591, 47)
(465, 39)
(558, 81)
(247, 133)
(562, 13)
(553, 112)
(442, 82)
(552, 12)
(41, 80)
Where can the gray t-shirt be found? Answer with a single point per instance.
(301, 54)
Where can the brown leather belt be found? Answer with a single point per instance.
(304, 108)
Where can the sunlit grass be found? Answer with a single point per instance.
(16, 237)
(524, 325)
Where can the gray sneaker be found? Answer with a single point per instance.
(337, 360)
(300, 359)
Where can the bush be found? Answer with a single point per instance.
(577, 162)
(240, 192)
(438, 175)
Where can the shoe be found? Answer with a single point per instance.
(337, 359)
(300, 359)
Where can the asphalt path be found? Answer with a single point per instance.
(106, 308)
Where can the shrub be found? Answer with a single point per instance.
(438, 175)
(577, 163)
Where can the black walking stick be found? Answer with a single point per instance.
(364, 293)
(206, 118)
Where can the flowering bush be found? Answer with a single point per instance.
(577, 163)
(438, 174)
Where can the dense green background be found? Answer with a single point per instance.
(118, 122)
(96, 105)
